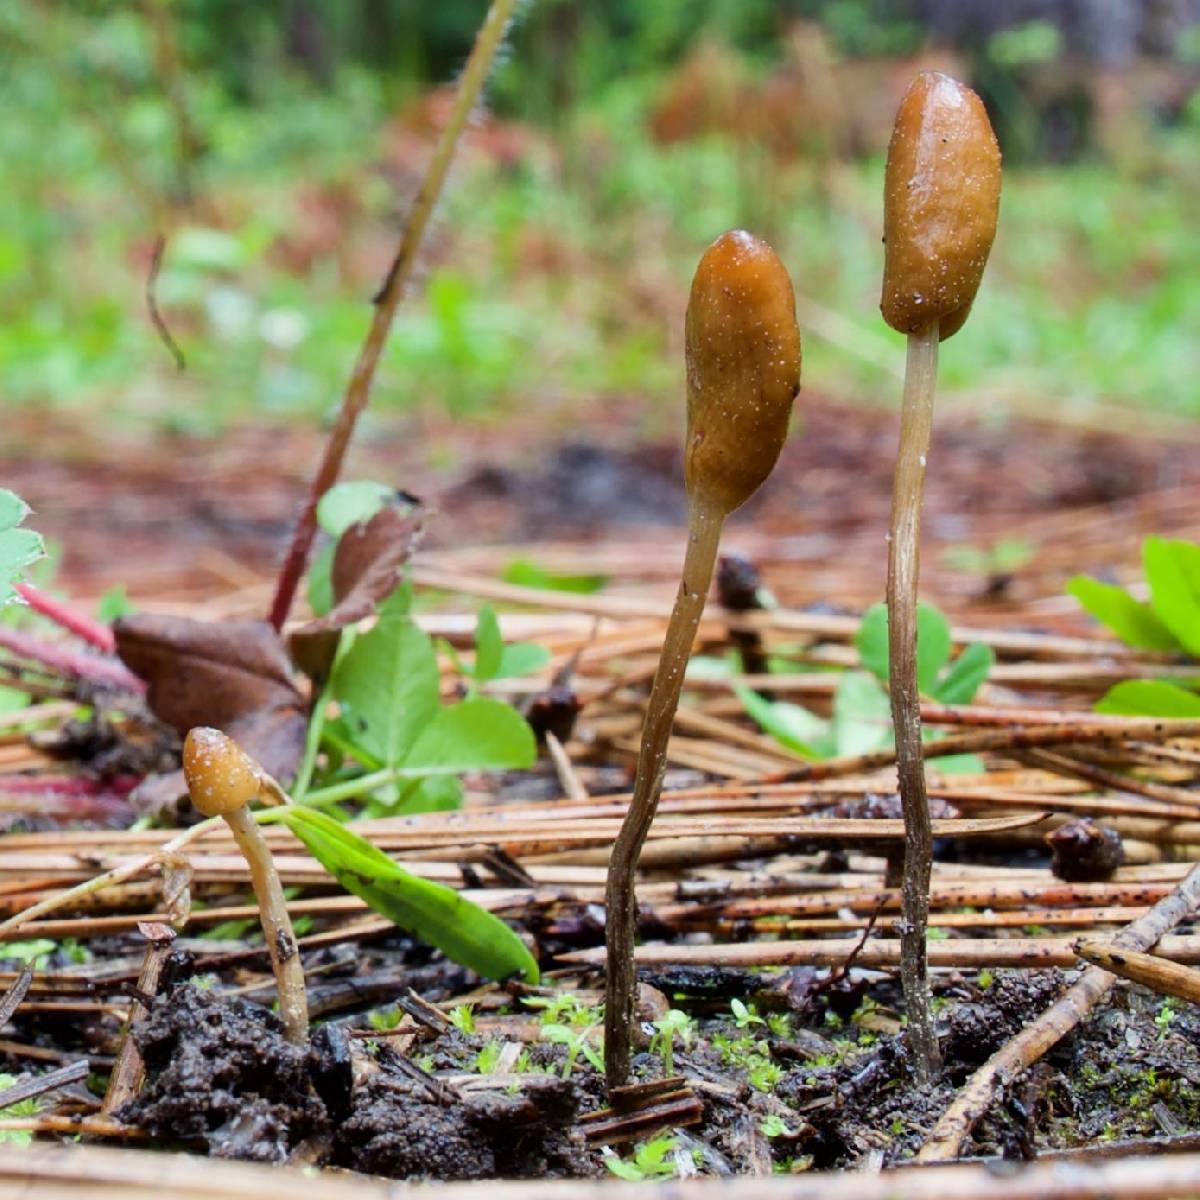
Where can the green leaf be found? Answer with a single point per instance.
(437, 914)
(958, 764)
(872, 642)
(527, 574)
(862, 720)
(1131, 620)
(320, 580)
(1173, 573)
(966, 675)
(19, 548)
(479, 734)
(521, 658)
(435, 793)
(388, 685)
(1149, 698)
(933, 644)
(791, 725)
(13, 510)
(113, 604)
(347, 504)
(489, 645)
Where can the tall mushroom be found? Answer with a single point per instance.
(742, 351)
(940, 203)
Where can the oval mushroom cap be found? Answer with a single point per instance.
(221, 776)
(941, 198)
(743, 368)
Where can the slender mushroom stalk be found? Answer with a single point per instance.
(223, 780)
(743, 372)
(941, 200)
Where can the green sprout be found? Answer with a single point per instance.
(577, 1042)
(462, 1017)
(673, 1023)
(650, 1161)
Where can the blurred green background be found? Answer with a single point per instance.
(276, 146)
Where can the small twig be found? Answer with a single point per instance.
(878, 953)
(126, 1078)
(156, 317)
(1160, 974)
(108, 878)
(572, 785)
(358, 390)
(1053, 1025)
(424, 1013)
(15, 995)
(39, 1085)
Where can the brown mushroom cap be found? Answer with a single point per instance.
(941, 198)
(743, 368)
(221, 776)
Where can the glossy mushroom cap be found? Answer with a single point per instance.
(941, 198)
(743, 368)
(221, 776)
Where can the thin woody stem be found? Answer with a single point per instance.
(704, 535)
(916, 422)
(358, 390)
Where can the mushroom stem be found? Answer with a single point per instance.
(277, 925)
(705, 520)
(908, 489)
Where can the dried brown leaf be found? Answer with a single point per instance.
(367, 567)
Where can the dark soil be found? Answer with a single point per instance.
(219, 1073)
(220, 1076)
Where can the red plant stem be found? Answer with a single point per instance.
(86, 668)
(358, 390)
(66, 785)
(80, 624)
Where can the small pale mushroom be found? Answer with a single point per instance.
(223, 781)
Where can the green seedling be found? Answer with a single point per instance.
(1168, 621)
(743, 372)
(941, 202)
(409, 748)
(494, 658)
(650, 1161)
(577, 1042)
(488, 1058)
(745, 1015)
(22, 1110)
(861, 713)
(223, 781)
(564, 1008)
(462, 1017)
(774, 1126)
(674, 1023)
(1001, 558)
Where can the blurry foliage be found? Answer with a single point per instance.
(558, 274)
